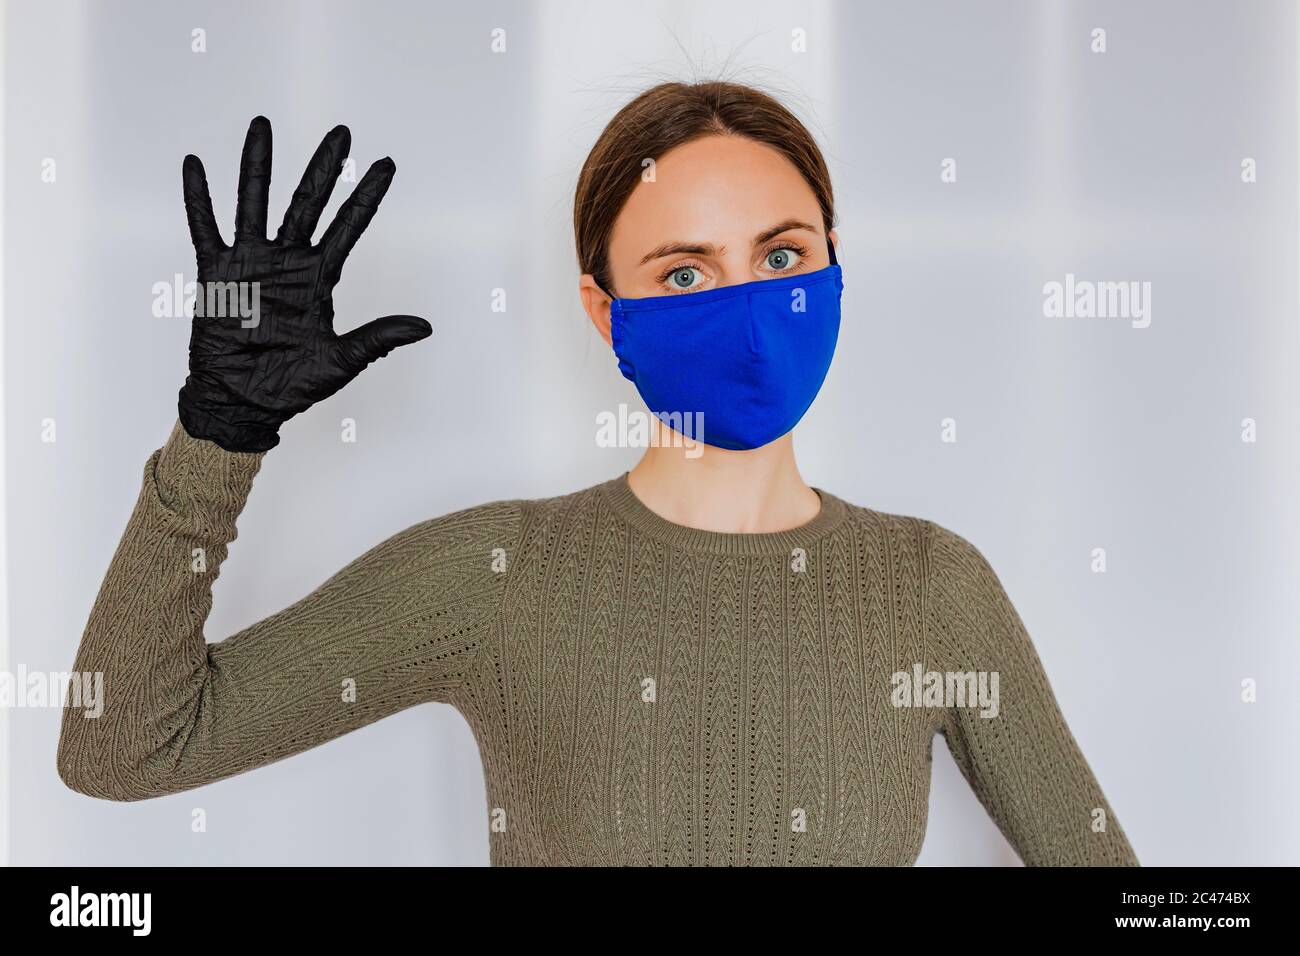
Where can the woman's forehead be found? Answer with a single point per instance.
(717, 189)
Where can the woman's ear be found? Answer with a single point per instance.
(596, 304)
(833, 236)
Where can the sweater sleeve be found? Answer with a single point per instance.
(397, 627)
(1018, 755)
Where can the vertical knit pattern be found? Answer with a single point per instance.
(641, 693)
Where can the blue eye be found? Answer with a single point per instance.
(684, 278)
(780, 259)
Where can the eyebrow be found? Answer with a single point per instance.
(678, 247)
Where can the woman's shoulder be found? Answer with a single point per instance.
(935, 545)
(492, 516)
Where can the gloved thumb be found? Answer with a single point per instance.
(376, 339)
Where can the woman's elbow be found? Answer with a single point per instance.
(97, 773)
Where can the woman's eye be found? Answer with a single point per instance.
(685, 278)
(778, 260)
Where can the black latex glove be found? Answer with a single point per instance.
(245, 382)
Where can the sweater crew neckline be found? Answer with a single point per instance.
(620, 496)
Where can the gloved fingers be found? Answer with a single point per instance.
(313, 193)
(254, 181)
(377, 338)
(198, 206)
(355, 214)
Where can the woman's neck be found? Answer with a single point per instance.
(735, 492)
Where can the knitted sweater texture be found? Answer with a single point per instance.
(642, 693)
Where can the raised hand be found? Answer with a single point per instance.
(263, 346)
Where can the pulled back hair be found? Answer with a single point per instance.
(665, 117)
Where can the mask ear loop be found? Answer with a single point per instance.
(606, 291)
(830, 247)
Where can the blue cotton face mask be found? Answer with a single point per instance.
(744, 362)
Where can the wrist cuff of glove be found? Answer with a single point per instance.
(245, 436)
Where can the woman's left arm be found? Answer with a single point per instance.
(1011, 743)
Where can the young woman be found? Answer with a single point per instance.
(702, 661)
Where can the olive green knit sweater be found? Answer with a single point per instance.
(641, 692)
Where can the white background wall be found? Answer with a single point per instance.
(1072, 434)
